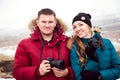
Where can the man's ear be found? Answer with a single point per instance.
(55, 21)
(37, 22)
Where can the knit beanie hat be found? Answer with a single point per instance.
(83, 17)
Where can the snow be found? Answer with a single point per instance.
(8, 51)
(7, 79)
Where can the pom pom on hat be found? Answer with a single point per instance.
(83, 17)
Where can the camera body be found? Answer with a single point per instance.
(56, 63)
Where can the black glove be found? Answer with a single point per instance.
(90, 75)
(93, 44)
(99, 38)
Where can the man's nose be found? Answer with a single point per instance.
(47, 24)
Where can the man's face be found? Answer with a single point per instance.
(46, 24)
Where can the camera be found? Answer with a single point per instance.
(56, 63)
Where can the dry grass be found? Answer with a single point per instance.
(5, 57)
(6, 63)
(119, 52)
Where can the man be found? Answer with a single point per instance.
(38, 57)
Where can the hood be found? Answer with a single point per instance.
(58, 31)
(32, 24)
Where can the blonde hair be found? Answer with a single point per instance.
(80, 48)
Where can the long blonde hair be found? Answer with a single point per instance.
(80, 48)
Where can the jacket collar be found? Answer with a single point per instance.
(36, 35)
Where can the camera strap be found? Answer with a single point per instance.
(41, 49)
(58, 46)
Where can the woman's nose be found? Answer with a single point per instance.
(77, 28)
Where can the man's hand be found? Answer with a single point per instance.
(44, 67)
(59, 72)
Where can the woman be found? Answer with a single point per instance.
(92, 57)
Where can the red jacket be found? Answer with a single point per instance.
(32, 50)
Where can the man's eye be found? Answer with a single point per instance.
(50, 21)
(43, 21)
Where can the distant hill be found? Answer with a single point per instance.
(107, 22)
(12, 36)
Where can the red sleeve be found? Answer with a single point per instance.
(21, 68)
(70, 73)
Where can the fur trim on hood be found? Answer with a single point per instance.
(32, 24)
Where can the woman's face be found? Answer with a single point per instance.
(81, 29)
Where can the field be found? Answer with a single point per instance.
(9, 44)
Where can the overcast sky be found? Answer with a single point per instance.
(17, 13)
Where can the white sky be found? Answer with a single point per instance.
(17, 13)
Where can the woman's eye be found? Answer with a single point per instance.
(74, 27)
(80, 24)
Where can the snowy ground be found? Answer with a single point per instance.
(8, 51)
(14, 79)
(6, 79)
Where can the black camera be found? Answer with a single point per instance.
(56, 63)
